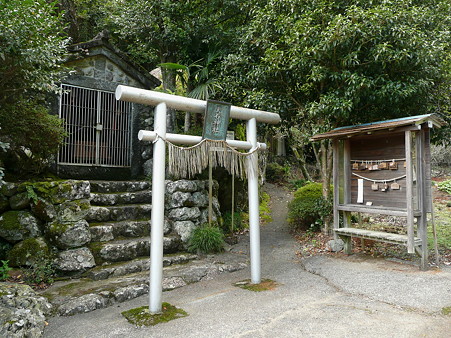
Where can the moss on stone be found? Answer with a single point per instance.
(10, 220)
(446, 310)
(142, 317)
(95, 248)
(23, 252)
(264, 285)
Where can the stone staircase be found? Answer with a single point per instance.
(119, 223)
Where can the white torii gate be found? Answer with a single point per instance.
(162, 101)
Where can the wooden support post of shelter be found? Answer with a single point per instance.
(159, 136)
(383, 168)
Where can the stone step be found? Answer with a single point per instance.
(119, 186)
(119, 212)
(136, 265)
(108, 231)
(108, 199)
(84, 295)
(129, 249)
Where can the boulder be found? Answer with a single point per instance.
(179, 199)
(147, 168)
(85, 303)
(200, 199)
(335, 245)
(184, 229)
(184, 214)
(73, 211)
(4, 204)
(181, 185)
(25, 252)
(8, 189)
(19, 201)
(44, 210)
(69, 235)
(57, 192)
(22, 311)
(16, 226)
(71, 260)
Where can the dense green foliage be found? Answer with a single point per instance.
(206, 239)
(309, 208)
(32, 50)
(336, 63)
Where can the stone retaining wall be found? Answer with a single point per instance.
(50, 219)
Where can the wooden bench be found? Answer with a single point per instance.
(347, 233)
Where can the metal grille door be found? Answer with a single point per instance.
(98, 128)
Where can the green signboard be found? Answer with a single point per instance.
(216, 120)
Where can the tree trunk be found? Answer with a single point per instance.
(323, 156)
(299, 155)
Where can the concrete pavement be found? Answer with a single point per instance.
(321, 296)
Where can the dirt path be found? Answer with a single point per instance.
(318, 297)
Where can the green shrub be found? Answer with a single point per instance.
(206, 239)
(445, 186)
(275, 173)
(299, 183)
(4, 269)
(227, 222)
(42, 270)
(309, 208)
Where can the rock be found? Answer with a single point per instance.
(19, 201)
(22, 311)
(181, 185)
(18, 225)
(73, 211)
(147, 168)
(83, 304)
(147, 153)
(24, 253)
(4, 204)
(184, 214)
(57, 192)
(130, 292)
(101, 233)
(179, 199)
(69, 235)
(44, 210)
(167, 226)
(171, 283)
(98, 214)
(201, 199)
(204, 216)
(184, 229)
(75, 260)
(8, 189)
(335, 245)
(117, 252)
(171, 244)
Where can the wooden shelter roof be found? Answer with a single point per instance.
(348, 131)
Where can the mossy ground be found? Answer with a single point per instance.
(142, 317)
(264, 285)
(446, 311)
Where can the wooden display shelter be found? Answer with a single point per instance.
(383, 168)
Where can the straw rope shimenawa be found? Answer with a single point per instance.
(189, 161)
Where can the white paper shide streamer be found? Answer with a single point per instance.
(189, 161)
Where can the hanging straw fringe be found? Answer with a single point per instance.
(189, 161)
